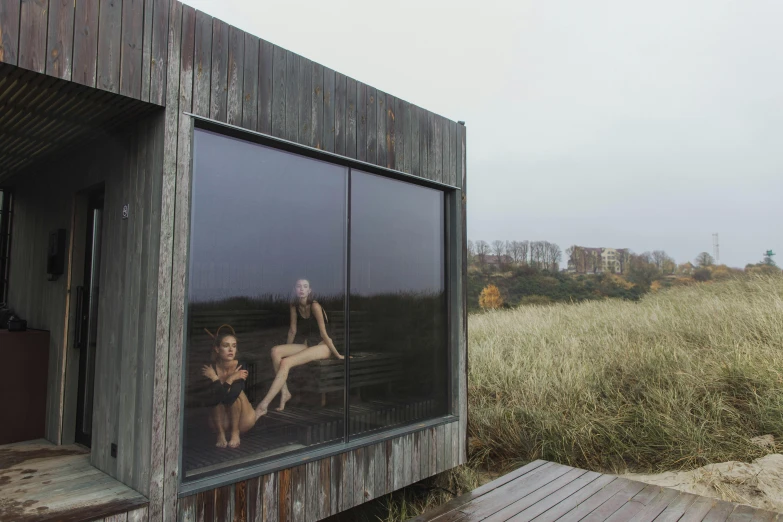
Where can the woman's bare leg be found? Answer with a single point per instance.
(219, 421)
(234, 413)
(278, 353)
(305, 356)
(247, 418)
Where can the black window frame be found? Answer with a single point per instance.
(451, 195)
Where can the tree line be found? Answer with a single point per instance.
(502, 255)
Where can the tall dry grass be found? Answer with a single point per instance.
(680, 379)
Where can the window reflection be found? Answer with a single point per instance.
(398, 367)
(266, 287)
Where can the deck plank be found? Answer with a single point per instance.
(655, 507)
(552, 488)
(698, 510)
(559, 496)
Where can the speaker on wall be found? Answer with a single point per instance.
(55, 254)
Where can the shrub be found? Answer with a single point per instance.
(535, 300)
(702, 274)
(490, 298)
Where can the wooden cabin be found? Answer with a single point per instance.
(178, 198)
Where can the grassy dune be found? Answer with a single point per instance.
(683, 378)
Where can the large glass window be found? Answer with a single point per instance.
(5, 242)
(266, 295)
(399, 363)
(268, 281)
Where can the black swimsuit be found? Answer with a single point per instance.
(307, 330)
(227, 394)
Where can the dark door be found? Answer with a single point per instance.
(87, 319)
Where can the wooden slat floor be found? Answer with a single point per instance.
(41, 482)
(544, 492)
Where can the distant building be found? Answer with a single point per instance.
(598, 260)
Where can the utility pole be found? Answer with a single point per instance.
(715, 248)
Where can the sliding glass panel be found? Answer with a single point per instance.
(398, 366)
(266, 304)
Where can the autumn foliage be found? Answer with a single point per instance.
(490, 297)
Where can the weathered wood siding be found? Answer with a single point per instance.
(128, 163)
(114, 45)
(168, 54)
(323, 487)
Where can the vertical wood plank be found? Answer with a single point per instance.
(131, 49)
(414, 151)
(278, 92)
(336, 484)
(146, 48)
(381, 133)
(399, 134)
(10, 11)
(271, 495)
(447, 444)
(254, 496)
(369, 472)
(391, 454)
(350, 118)
(312, 490)
(391, 132)
(109, 45)
(453, 152)
(399, 462)
(236, 71)
(359, 466)
(424, 133)
(59, 42)
(218, 104)
(347, 481)
(250, 83)
(240, 502)
(463, 368)
(186, 508)
(298, 493)
(292, 97)
(266, 79)
(380, 470)
(408, 139)
(446, 143)
(202, 67)
(416, 457)
(434, 451)
(305, 101)
(433, 148)
(85, 43)
(284, 491)
(340, 101)
(325, 495)
(371, 154)
(32, 37)
(159, 61)
(224, 504)
(317, 123)
(407, 457)
(206, 505)
(361, 121)
(438, 145)
(425, 454)
(328, 128)
(165, 259)
(179, 266)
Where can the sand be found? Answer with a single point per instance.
(758, 484)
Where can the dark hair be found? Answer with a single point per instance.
(223, 331)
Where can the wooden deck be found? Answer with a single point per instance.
(544, 492)
(41, 482)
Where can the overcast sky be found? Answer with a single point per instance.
(647, 125)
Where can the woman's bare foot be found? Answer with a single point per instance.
(261, 410)
(284, 397)
(221, 441)
(234, 442)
